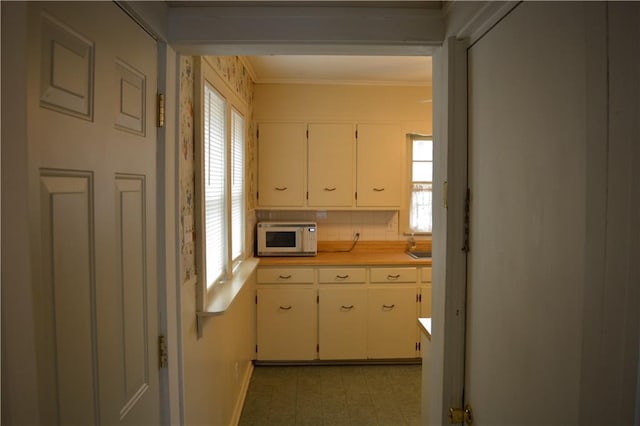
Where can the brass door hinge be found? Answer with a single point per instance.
(459, 415)
(162, 351)
(161, 109)
(444, 194)
(467, 221)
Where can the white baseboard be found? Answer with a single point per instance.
(237, 411)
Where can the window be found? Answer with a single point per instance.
(237, 184)
(220, 183)
(420, 208)
(214, 183)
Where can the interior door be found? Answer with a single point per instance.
(527, 132)
(92, 142)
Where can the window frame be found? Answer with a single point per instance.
(204, 75)
(411, 138)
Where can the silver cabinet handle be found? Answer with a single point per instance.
(348, 308)
(330, 189)
(342, 277)
(393, 277)
(388, 306)
(285, 308)
(281, 188)
(378, 189)
(284, 277)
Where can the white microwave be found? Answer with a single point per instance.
(287, 239)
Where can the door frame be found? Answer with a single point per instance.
(468, 22)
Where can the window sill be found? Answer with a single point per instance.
(222, 295)
(416, 234)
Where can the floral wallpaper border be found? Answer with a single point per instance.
(232, 70)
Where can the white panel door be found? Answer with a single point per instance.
(92, 142)
(527, 133)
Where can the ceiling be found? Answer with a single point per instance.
(320, 69)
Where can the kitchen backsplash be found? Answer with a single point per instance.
(343, 225)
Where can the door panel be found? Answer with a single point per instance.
(67, 300)
(282, 159)
(92, 142)
(134, 317)
(527, 179)
(287, 324)
(391, 322)
(342, 328)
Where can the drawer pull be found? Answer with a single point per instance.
(285, 308)
(330, 189)
(393, 277)
(388, 307)
(281, 188)
(378, 189)
(348, 308)
(284, 277)
(342, 277)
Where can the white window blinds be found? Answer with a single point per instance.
(237, 184)
(214, 184)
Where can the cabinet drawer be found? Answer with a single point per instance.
(285, 275)
(394, 275)
(426, 275)
(342, 275)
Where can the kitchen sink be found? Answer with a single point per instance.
(419, 254)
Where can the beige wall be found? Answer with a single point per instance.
(407, 105)
(217, 366)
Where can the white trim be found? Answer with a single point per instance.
(449, 267)
(292, 81)
(169, 72)
(244, 388)
(248, 67)
(471, 20)
(222, 295)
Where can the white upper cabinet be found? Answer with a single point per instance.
(380, 153)
(331, 165)
(282, 160)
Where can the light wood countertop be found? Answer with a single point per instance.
(364, 253)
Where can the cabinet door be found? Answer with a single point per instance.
(425, 293)
(331, 165)
(287, 324)
(282, 163)
(380, 165)
(425, 301)
(343, 323)
(392, 322)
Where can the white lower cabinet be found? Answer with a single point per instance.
(343, 313)
(287, 323)
(342, 323)
(425, 293)
(391, 322)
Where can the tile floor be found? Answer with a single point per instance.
(362, 395)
